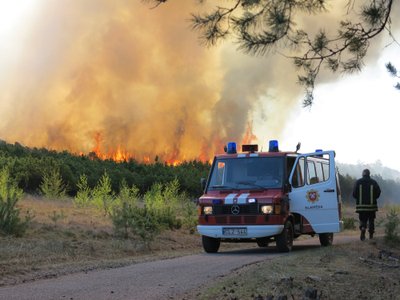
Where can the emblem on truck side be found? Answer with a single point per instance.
(312, 196)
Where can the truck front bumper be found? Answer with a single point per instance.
(253, 231)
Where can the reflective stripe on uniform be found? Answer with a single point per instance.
(366, 208)
(371, 191)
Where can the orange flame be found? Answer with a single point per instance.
(173, 162)
(118, 155)
(122, 155)
(249, 137)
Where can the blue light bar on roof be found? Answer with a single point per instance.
(231, 148)
(273, 146)
(319, 150)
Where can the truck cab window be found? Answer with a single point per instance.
(312, 177)
(298, 175)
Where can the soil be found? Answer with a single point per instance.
(358, 270)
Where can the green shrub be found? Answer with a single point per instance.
(52, 186)
(349, 223)
(159, 212)
(103, 195)
(83, 195)
(139, 221)
(392, 226)
(189, 210)
(163, 201)
(127, 195)
(10, 194)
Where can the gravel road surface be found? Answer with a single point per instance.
(163, 279)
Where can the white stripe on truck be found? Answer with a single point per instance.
(243, 198)
(229, 198)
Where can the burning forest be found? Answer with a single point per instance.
(123, 81)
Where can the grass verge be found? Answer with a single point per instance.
(360, 270)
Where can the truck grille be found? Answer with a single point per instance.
(246, 209)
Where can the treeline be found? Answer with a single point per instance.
(390, 189)
(28, 166)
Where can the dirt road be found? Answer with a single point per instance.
(164, 279)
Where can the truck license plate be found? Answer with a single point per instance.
(234, 231)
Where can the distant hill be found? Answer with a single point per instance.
(376, 168)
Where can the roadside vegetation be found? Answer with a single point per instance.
(357, 270)
(61, 213)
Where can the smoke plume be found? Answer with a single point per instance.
(117, 76)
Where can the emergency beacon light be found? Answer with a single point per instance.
(273, 146)
(319, 150)
(231, 148)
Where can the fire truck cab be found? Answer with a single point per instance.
(268, 197)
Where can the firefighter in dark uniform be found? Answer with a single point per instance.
(366, 191)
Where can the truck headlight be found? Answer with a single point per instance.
(208, 210)
(267, 209)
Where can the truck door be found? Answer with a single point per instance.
(314, 193)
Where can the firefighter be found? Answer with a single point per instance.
(366, 191)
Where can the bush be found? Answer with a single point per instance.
(159, 212)
(163, 202)
(102, 194)
(52, 185)
(83, 195)
(139, 221)
(10, 194)
(349, 223)
(127, 195)
(392, 225)
(189, 216)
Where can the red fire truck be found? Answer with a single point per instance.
(268, 197)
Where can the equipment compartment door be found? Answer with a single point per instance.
(314, 193)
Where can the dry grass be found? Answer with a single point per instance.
(83, 239)
(63, 239)
(351, 271)
(359, 270)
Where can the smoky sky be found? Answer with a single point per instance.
(138, 78)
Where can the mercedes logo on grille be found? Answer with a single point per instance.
(235, 209)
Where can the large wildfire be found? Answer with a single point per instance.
(119, 154)
(123, 81)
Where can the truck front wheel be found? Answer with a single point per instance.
(326, 239)
(262, 242)
(284, 241)
(210, 245)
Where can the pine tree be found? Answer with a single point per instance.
(262, 26)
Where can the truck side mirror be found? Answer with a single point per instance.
(203, 183)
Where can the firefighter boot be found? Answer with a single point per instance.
(371, 235)
(362, 235)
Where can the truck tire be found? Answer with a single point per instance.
(210, 245)
(262, 242)
(284, 241)
(326, 239)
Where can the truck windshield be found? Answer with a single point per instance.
(247, 173)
